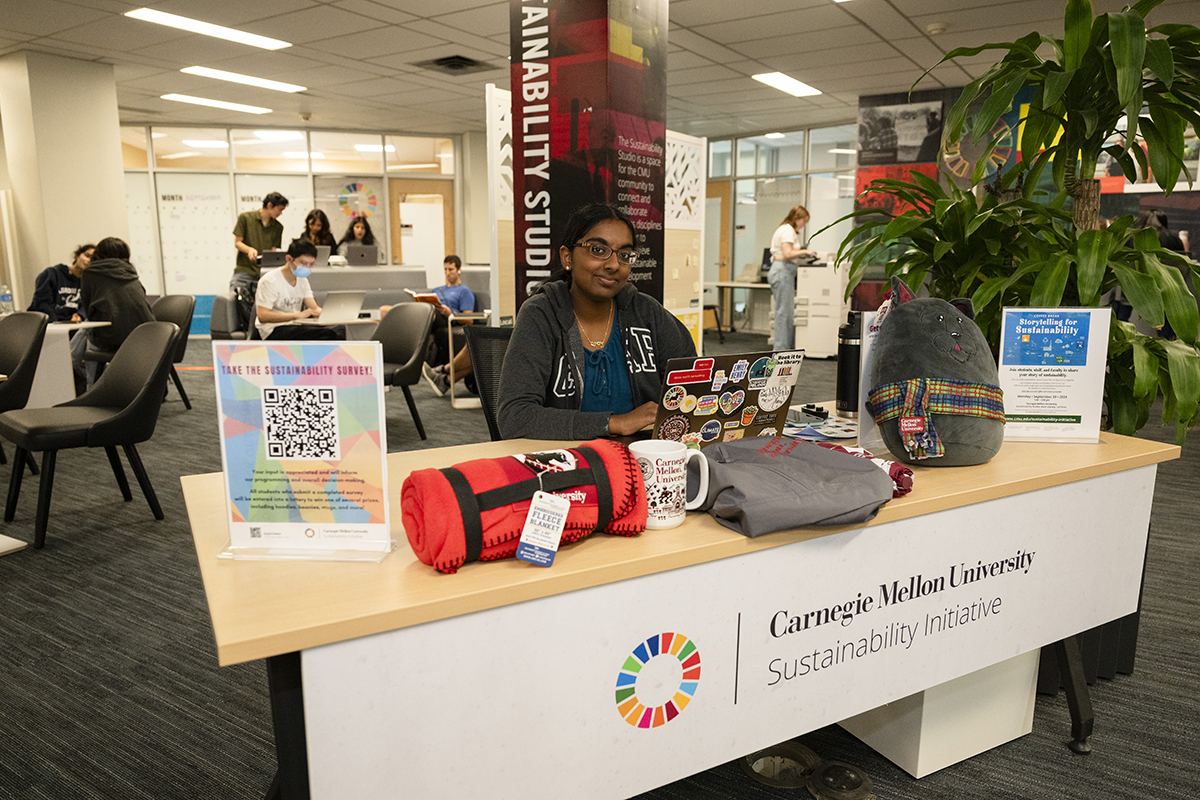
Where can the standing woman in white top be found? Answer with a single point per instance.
(785, 254)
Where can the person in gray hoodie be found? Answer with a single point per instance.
(589, 352)
(110, 291)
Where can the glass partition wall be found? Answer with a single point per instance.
(185, 187)
(754, 181)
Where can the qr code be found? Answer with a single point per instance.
(301, 422)
(256, 533)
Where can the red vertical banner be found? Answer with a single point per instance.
(588, 125)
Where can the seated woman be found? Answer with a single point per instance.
(110, 291)
(317, 230)
(359, 232)
(589, 351)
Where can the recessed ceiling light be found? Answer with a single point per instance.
(204, 101)
(302, 154)
(374, 148)
(247, 80)
(157, 135)
(414, 166)
(185, 154)
(207, 29)
(774, 135)
(850, 151)
(785, 84)
(280, 136)
(201, 144)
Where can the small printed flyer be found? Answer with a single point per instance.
(1052, 363)
(304, 449)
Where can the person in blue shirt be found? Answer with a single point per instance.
(56, 293)
(456, 298)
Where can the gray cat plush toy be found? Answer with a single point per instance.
(934, 392)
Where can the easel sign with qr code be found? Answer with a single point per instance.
(303, 446)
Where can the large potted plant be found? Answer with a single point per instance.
(1008, 250)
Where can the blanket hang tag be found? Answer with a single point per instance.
(543, 529)
(912, 425)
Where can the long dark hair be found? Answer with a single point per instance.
(368, 237)
(111, 247)
(318, 215)
(580, 222)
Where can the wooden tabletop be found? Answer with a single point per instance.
(265, 608)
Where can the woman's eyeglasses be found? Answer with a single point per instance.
(601, 252)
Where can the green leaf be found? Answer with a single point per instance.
(1171, 127)
(1184, 367)
(1092, 258)
(1145, 370)
(1048, 288)
(999, 103)
(1178, 302)
(1141, 290)
(1160, 61)
(1127, 33)
(1077, 31)
(1057, 83)
(1144, 7)
(900, 226)
(940, 249)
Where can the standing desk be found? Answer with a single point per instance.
(506, 679)
(54, 381)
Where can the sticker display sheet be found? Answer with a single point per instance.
(722, 398)
(1052, 363)
(304, 446)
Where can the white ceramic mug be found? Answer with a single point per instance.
(664, 469)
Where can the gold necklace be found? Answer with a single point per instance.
(607, 328)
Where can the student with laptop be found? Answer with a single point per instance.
(357, 235)
(589, 352)
(284, 297)
(254, 232)
(317, 229)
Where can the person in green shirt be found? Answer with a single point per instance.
(254, 232)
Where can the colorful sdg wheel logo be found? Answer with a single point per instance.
(360, 191)
(658, 680)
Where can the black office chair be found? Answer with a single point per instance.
(121, 408)
(21, 337)
(177, 308)
(403, 332)
(487, 347)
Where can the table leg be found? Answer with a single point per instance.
(287, 716)
(1079, 700)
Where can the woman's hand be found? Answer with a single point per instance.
(634, 421)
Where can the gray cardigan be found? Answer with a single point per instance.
(541, 385)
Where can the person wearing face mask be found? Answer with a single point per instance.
(284, 296)
(56, 293)
(786, 253)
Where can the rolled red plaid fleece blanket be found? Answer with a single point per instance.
(474, 511)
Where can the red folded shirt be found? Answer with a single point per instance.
(475, 511)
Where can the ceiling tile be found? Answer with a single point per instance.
(372, 88)
(702, 45)
(192, 48)
(753, 29)
(367, 8)
(489, 20)
(685, 60)
(832, 39)
(315, 24)
(881, 17)
(379, 42)
(715, 72)
(422, 9)
(132, 34)
(45, 17)
(231, 13)
(691, 13)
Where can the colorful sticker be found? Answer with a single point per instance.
(691, 438)
(706, 405)
(772, 397)
(748, 414)
(733, 423)
(787, 369)
(761, 371)
(767, 432)
(673, 397)
(765, 419)
(710, 430)
(719, 380)
(731, 436)
(730, 401)
(700, 372)
(739, 370)
(689, 404)
(674, 428)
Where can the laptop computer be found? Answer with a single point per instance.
(340, 307)
(323, 251)
(362, 255)
(271, 259)
(721, 398)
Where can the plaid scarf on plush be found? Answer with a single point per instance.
(923, 397)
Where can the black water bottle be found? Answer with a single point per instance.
(849, 348)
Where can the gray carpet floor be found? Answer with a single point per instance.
(109, 684)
